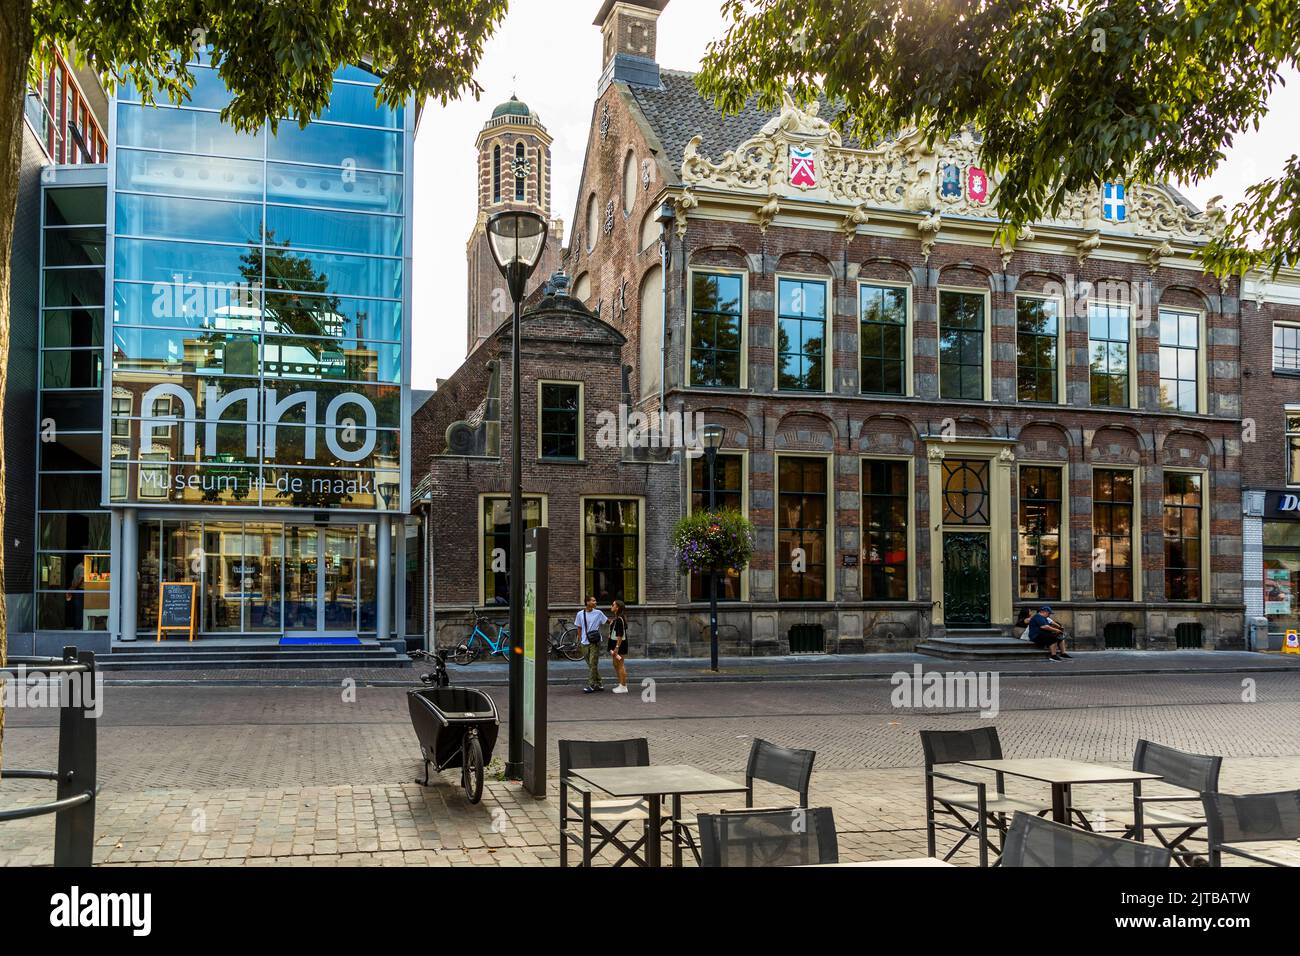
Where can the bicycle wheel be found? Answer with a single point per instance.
(567, 645)
(464, 655)
(472, 755)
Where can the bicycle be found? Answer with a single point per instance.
(566, 643)
(470, 650)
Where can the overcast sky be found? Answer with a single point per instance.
(548, 52)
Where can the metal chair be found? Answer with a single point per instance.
(769, 763)
(791, 837)
(1194, 773)
(1250, 818)
(605, 818)
(980, 808)
(1034, 842)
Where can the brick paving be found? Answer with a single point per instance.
(295, 776)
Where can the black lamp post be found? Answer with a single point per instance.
(713, 435)
(516, 240)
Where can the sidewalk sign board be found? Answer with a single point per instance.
(176, 607)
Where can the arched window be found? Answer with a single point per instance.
(582, 287)
(521, 183)
(629, 183)
(496, 173)
(651, 318)
(593, 223)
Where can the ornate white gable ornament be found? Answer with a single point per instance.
(799, 155)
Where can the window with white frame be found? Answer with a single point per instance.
(884, 344)
(1108, 360)
(1286, 347)
(801, 335)
(1180, 341)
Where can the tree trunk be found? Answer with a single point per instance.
(15, 53)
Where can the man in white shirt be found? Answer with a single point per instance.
(588, 622)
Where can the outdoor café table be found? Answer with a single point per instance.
(1062, 775)
(653, 783)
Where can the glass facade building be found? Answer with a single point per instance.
(226, 373)
(73, 564)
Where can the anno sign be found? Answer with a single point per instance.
(276, 407)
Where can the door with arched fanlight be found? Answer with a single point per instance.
(967, 545)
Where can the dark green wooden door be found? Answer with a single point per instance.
(965, 579)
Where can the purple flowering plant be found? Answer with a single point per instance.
(713, 540)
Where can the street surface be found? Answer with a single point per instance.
(308, 775)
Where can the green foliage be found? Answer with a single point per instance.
(1065, 95)
(709, 540)
(276, 56)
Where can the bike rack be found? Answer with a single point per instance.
(74, 804)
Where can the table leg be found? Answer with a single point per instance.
(654, 839)
(677, 822)
(1060, 812)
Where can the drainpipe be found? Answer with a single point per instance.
(431, 607)
(667, 215)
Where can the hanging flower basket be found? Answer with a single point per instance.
(708, 541)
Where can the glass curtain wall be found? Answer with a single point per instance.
(259, 577)
(258, 280)
(72, 574)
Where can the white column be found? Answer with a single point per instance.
(130, 563)
(384, 585)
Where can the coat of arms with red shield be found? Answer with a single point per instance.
(977, 185)
(803, 168)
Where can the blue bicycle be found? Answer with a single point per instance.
(480, 641)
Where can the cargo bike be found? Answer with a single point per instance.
(457, 727)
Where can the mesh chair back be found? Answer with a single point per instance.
(1252, 817)
(1033, 841)
(782, 766)
(1192, 771)
(795, 837)
(954, 746)
(589, 754)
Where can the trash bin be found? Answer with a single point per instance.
(1259, 634)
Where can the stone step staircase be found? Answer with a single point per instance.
(979, 644)
(231, 655)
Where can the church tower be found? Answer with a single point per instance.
(514, 172)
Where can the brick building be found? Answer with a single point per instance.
(609, 509)
(1270, 325)
(931, 428)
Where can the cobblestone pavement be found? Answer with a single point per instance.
(298, 776)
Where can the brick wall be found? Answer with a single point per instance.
(1265, 393)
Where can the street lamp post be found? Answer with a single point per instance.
(516, 239)
(713, 435)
